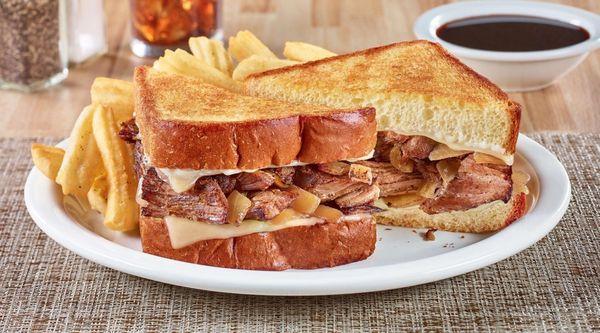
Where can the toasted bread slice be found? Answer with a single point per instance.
(417, 88)
(489, 217)
(187, 124)
(305, 247)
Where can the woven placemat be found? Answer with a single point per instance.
(553, 285)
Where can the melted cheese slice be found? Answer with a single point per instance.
(184, 232)
(182, 180)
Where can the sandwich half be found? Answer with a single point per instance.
(225, 179)
(438, 121)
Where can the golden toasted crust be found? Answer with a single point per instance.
(187, 124)
(306, 247)
(406, 80)
(486, 218)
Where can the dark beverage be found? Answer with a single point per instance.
(167, 24)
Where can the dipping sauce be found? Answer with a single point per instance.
(511, 33)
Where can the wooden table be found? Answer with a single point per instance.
(340, 25)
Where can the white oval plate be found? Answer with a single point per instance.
(402, 258)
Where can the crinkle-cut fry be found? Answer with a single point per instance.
(212, 52)
(182, 63)
(258, 64)
(98, 194)
(303, 52)
(47, 159)
(115, 94)
(81, 162)
(246, 44)
(121, 212)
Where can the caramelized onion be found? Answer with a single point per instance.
(334, 168)
(239, 205)
(380, 203)
(427, 190)
(405, 165)
(306, 202)
(482, 158)
(441, 151)
(404, 200)
(448, 169)
(360, 173)
(332, 215)
(286, 215)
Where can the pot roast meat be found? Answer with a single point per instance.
(474, 185)
(203, 202)
(334, 168)
(325, 186)
(129, 131)
(268, 204)
(285, 174)
(417, 147)
(362, 196)
(226, 183)
(254, 181)
(392, 181)
(362, 209)
(386, 140)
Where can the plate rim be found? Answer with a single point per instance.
(549, 209)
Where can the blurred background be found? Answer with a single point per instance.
(572, 104)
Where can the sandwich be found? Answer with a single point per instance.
(225, 179)
(451, 132)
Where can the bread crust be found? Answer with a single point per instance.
(512, 108)
(176, 144)
(304, 247)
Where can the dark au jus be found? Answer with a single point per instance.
(512, 33)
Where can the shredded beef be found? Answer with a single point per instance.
(129, 131)
(417, 147)
(255, 181)
(474, 185)
(392, 181)
(334, 168)
(363, 209)
(362, 196)
(204, 202)
(226, 183)
(386, 140)
(268, 204)
(285, 174)
(325, 186)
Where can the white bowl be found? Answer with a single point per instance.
(514, 71)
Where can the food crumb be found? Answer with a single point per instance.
(463, 236)
(388, 228)
(429, 235)
(414, 231)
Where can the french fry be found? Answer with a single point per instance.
(115, 94)
(212, 52)
(98, 194)
(258, 64)
(303, 52)
(81, 162)
(47, 159)
(245, 44)
(121, 212)
(182, 63)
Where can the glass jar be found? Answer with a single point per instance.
(33, 44)
(158, 25)
(87, 30)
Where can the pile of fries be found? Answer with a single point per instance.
(97, 166)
